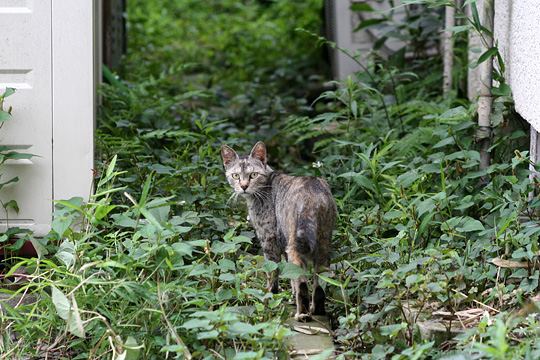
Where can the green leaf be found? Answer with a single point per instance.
(14, 155)
(330, 280)
(110, 168)
(151, 218)
(249, 355)
(471, 225)
(220, 247)
(476, 18)
(182, 248)
(74, 203)
(454, 115)
(444, 142)
(488, 54)
(132, 348)
(146, 190)
(11, 204)
(10, 181)
(227, 277)
(8, 92)
(242, 328)
(227, 265)
(66, 253)
(241, 239)
(39, 246)
(61, 224)
(4, 116)
(197, 324)
(413, 279)
(392, 330)
(360, 6)
(362, 180)
(425, 206)
(269, 266)
(213, 334)
(291, 271)
(74, 322)
(368, 23)
(103, 210)
(520, 254)
(3, 238)
(61, 303)
(111, 264)
(174, 348)
(380, 42)
(460, 28)
(17, 245)
(408, 178)
(162, 169)
(426, 221)
(435, 287)
(502, 90)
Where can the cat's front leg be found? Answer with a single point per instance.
(272, 252)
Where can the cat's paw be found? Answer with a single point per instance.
(302, 317)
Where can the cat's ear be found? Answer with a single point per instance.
(228, 155)
(259, 152)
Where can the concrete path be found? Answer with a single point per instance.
(312, 339)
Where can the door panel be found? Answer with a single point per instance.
(25, 64)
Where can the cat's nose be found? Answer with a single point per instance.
(244, 186)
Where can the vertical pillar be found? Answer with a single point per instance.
(534, 155)
(474, 52)
(448, 48)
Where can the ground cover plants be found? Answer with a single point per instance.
(158, 263)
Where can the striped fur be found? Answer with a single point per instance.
(292, 216)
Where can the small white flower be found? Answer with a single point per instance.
(183, 202)
(317, 164)
(247, 218)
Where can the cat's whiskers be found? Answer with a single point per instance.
(263, 196)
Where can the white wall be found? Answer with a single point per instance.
(517, 32)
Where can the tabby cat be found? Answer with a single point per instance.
(292, 216)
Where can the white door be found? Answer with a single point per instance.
(26, 65)
(48, 56)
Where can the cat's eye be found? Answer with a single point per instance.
(253, 175)
(235, 176)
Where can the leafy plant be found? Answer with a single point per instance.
(10, 153)
(158, 263)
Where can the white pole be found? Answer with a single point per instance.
(448, 48)
(484, 99)
(534, 157)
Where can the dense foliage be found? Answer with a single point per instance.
(158, 263)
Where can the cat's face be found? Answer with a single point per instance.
(247, 175)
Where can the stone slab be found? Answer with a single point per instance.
(311, 338)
